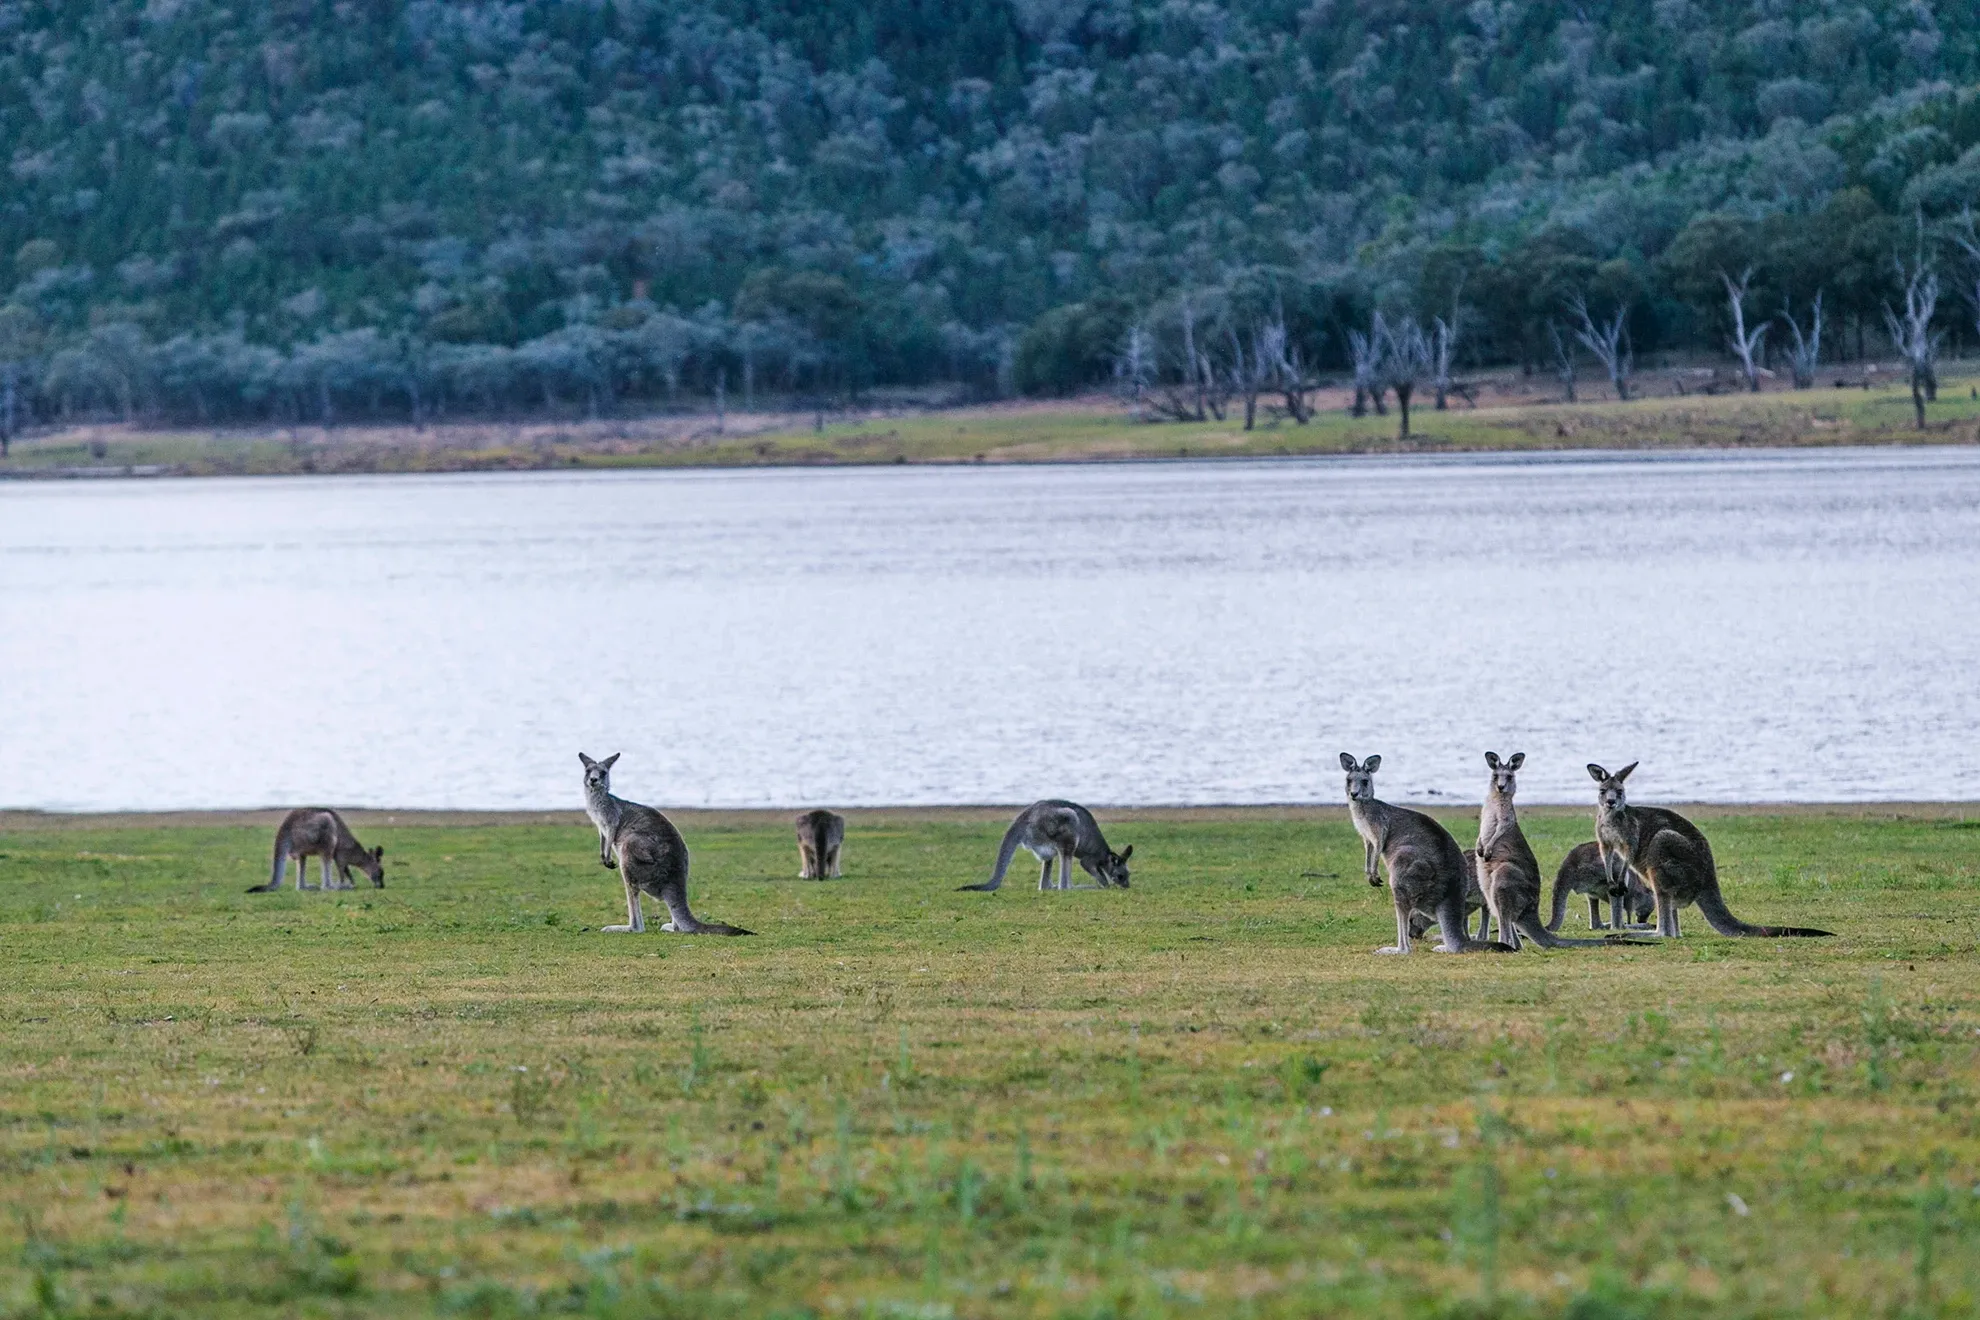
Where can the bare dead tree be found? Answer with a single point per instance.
(1744, 343)
(1911, 334)
(1443, 342)
(1366, 353)
(1609, 343)
(1248, 375)
(1806, 354)
(1969, 243)
(1134, 366)
(1286, 362)
(1407, 358)
(1565, 365)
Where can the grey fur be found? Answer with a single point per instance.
(1065, 831)
(1426, 866)
(1474, 901)
(320, 832)
(820, 835)
(1673, 859)
(1583, 872)
(1508, 872)
(646, 850)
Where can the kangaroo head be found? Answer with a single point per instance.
(598, 774)
(1114, 869)
(374, 865)
(1503, 772)
(1609, 796)
(1360, 778)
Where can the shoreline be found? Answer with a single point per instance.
(27, 820)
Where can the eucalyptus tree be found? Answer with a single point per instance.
(1608, 341)
(1744, 343)
(1912, 334)
(1806, 354)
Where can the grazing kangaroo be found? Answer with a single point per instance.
(1508, 872)
(1066, 831)
(1426, 866)
(320, 832)
(1583, 872)
(820, 835)
(646, 850)
(1671, 856)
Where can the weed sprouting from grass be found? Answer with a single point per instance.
(969, 1182)
(845, 1187)
(1932, 1206)
(1302, 1077)
(1876, 1035)
(529, 1094)
(1021, 1168)
(904, 1064)
(701, 1061)
(1478, 1196)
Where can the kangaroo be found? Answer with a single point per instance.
(646, 850)
(1426, 866)
(320, 832)
(1583, 872)
(820, 835)
(1671, 856)
(1508, 872)
(1065, 831)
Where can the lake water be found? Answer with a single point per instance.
(1751, 626)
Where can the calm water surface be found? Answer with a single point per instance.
(1753, 626)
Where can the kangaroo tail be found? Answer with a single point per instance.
(717, 928)
(685, 922)
(1720, 918)
(280, 870)
(1005, 851)
(1544, 936)
(1561, 892)
(1450, 921)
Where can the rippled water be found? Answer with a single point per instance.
(1751, 626)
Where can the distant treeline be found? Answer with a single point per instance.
(313, 208)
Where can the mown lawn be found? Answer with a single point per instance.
(1199, 1097)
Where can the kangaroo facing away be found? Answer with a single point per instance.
(646, 850)
(820, 835)
(1426, 866)
(1671, 856)
(1066, 831)
(320, 832)
(1583, 872)
(1508, 872)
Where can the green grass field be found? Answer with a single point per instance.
(1200, 1097)
(1019, 433)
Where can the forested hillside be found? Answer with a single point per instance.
(313, 209)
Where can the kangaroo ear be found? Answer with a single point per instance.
(1127, 852)
(1623, 773)
(585, 761)
(1596, 772)
(1347, 762)
(1372, 764)
(1492, 759)
(1518, 760)
(607, 762)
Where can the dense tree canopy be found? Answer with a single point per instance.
(310, 207)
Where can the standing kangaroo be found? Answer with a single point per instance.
(1508, 872)
(1066, 831)
(646, 850)
(1671, 856)
(1474, 901)
(820, 834)
(1583, 872)
(320, 832)
(1426, 866)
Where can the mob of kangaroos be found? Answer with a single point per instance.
(1064, 831)
(320, 832)
(646, 850)
(1508, 872)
